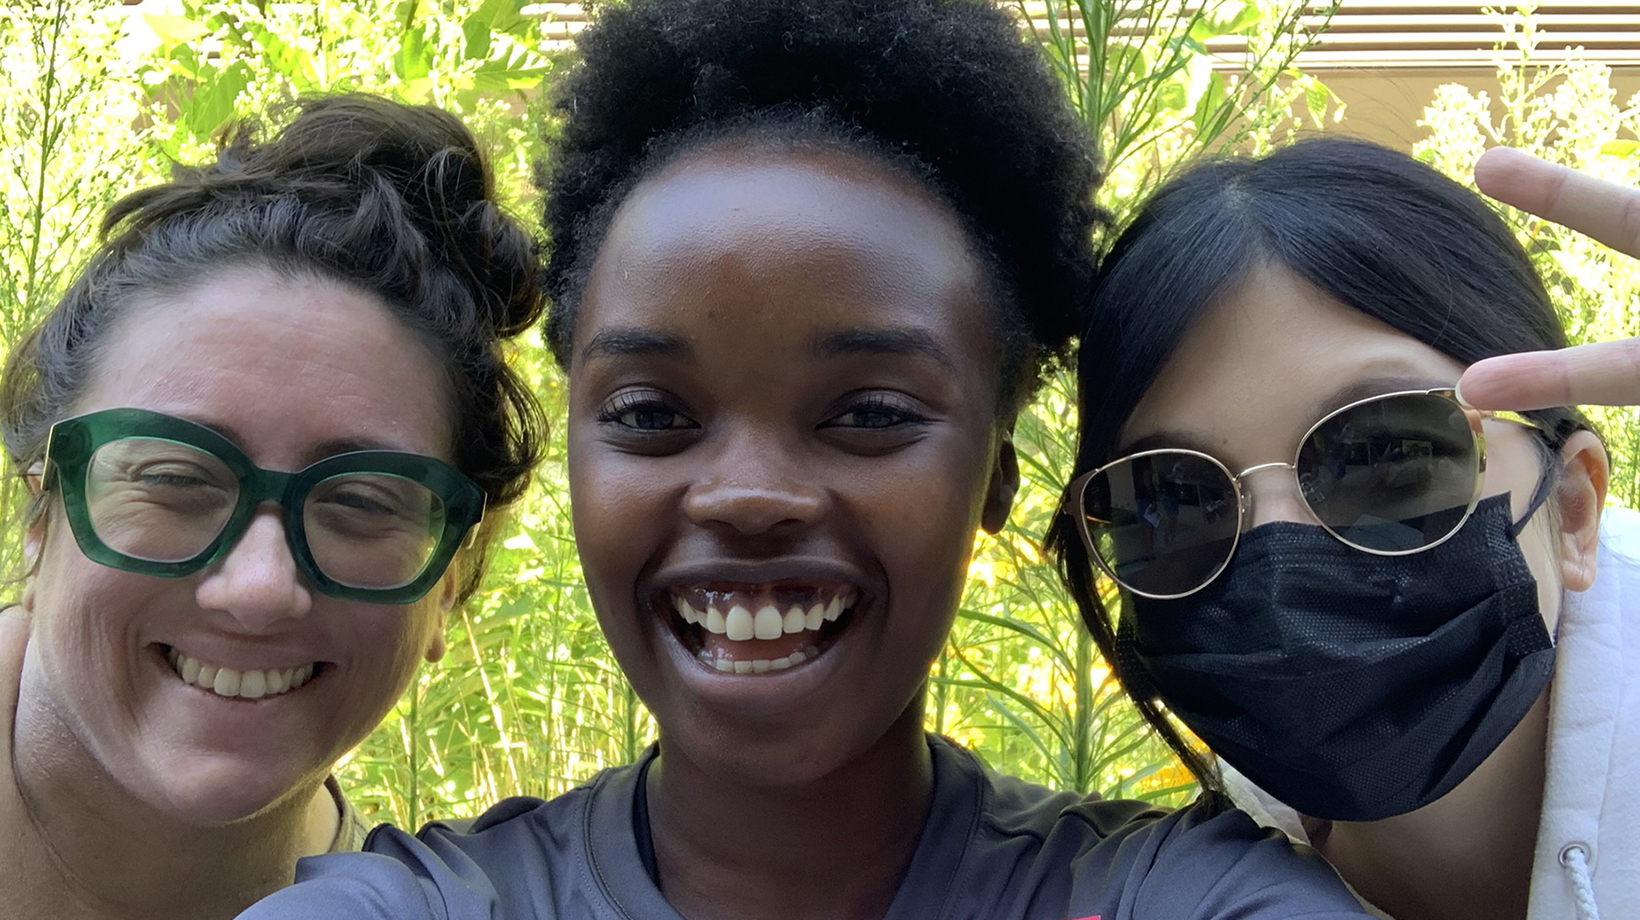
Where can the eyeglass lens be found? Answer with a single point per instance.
(163, 501)
(1163, 520)
(1387, 475)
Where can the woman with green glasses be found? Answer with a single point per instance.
(263, 431)
(1403, 620)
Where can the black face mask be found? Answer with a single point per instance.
(1350, 686)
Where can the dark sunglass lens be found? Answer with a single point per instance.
(1393, 474)
(1164, 523)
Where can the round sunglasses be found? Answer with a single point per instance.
(150, 493)
(1389, 475)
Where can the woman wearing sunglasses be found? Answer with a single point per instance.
(1377, 603)
(800, 292)
(262, 430)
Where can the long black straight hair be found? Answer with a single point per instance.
(1373, 228)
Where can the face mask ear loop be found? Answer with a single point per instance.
(1545, 485)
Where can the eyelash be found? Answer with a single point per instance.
(881, 404)
(638, 402)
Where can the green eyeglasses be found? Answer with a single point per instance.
(150, 493)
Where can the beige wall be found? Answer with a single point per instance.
(1386, 105)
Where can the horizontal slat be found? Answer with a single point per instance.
(1372, 33)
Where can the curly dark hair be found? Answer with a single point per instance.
(950, 91)
(394, 200)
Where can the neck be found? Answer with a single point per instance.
(89, 849)
(837, 847)
(1466, 856)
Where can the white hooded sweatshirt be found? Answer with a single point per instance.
(1587, 862)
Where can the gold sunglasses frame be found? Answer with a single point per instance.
(1072, 502)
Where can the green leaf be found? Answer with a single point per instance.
(477, 31)
(1621, 148)
(1316, 97)
(1172, 95)
(212, 103)
(414, 58)
(1208, 107)
(1244, 21)
(175, 28)
(518, 69)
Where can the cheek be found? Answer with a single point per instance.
(382, 647)
(1538, 545)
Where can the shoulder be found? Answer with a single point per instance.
(1041, 852)
(520, 857)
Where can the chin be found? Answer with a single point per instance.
(220, 789)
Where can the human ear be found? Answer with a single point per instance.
(1580, 497)
(448, 589)
(34, 536)
(1004, 484)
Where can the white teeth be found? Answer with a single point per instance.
(739, 625)
(723, 662)
(715, 622)
(252, 685)
(768, 624)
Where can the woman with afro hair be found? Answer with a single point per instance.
(807, 261)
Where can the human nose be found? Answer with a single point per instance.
(256, 582)
(1274, 494)
(755, 487)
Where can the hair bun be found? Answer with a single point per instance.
(418, 162)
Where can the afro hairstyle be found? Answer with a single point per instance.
(950, 91)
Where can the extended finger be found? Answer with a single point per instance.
(1606, 211)
(1600, 373)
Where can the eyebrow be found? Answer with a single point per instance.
(863, 341)
(324, 449)
(1337, 399)
(634, 341)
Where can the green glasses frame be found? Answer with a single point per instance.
(73, 441)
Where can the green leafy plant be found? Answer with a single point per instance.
(1567, 112)
(529, 698)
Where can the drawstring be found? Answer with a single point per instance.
(1575, 859)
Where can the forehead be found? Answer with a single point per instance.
(285, 365)
(785, 242)
(1268, 359)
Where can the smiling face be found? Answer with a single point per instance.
(211, 697)
(1273, 356)
(782, 437)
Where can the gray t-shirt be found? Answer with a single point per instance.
(994, 848)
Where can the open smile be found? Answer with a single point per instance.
(760, 628)
(236, 683)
